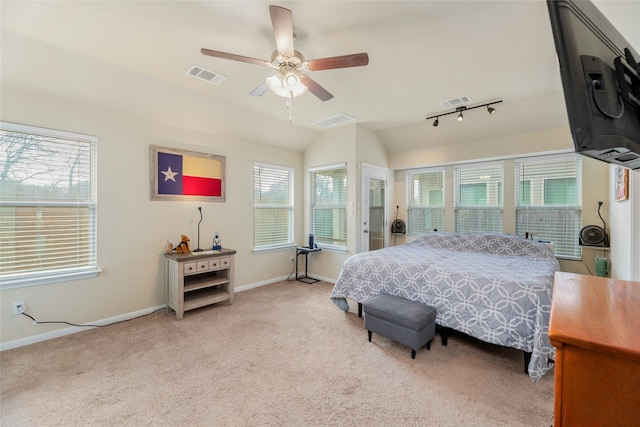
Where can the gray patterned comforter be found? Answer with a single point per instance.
(494, 287)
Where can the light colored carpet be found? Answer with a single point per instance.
(283, 354)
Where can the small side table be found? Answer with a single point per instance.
(305, 252)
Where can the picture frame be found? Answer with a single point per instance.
(622, 183)
(183, 175)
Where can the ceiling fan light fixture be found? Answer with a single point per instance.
(290, 81)
(293, 83)
(289, 85)
(299, 89)
(275, 84)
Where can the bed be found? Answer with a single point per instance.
(494, 287)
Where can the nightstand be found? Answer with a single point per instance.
(305, 251)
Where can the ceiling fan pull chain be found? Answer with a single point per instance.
(290, 105)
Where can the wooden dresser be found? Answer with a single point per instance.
(595, 326)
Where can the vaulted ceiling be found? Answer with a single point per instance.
(134, 57)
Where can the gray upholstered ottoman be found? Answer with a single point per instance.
(407, 322)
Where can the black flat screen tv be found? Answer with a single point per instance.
(601, 83)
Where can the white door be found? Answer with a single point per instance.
(373, 224)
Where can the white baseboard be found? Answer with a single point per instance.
(75, 329)
(324, 279)
(280, 279)
(127, 316)
(258, 284)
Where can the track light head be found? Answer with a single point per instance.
(460, 110)
(436, 122)
(491, 110)
(460, 117)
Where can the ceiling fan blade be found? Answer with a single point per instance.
(282, 22)
(315, 88)
(345, 61)
(233, 57)
(260, 90)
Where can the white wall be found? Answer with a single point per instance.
(132, 229)
(354, 145)
(634, 182)
(625, 16)
(496, 148)
(625, 229)
(330, 148)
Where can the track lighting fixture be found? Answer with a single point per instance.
(460, 110)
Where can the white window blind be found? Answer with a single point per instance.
(329, 206)
(425, 201)
(47, 203)
(549, 202)
(478, 198)
(272, 206)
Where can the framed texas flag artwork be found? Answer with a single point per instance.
(186, 175)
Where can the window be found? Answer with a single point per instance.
(478, 198)
(425, 201)
(272, 206)
(549, 204)
(48, 205)
(329, 206)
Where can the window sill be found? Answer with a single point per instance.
(568, 258)
(273, 249)
(333, 249)
(23, 282)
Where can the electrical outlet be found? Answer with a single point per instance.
(19, 307)
(292, 258)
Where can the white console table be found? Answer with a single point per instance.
(199, 279)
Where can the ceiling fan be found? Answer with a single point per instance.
(290, 80)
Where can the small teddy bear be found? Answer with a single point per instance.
(183, 247)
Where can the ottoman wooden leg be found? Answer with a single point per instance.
(413, 354)
(428, 345)
(369, 332)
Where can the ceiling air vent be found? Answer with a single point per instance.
(336, 120)
(204, 74)
(455, 101)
